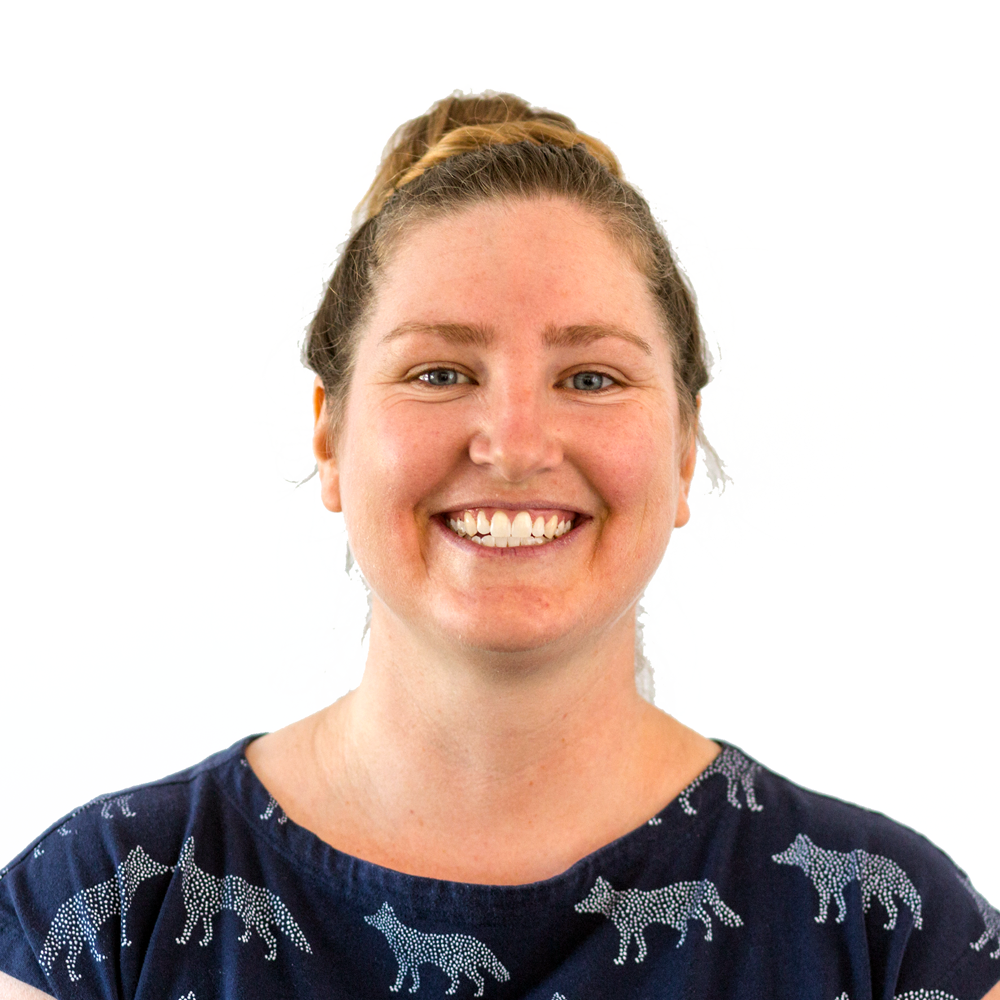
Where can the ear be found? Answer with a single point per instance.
(688, 462)
(323, 449)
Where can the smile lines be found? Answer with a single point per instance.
(502, 533)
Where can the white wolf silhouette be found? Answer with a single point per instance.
(633, 910)
(991, 917)
(108, 804)
(452, 953)
(272, 804)
(78, 919)
(738, 769)
(830, 871)
(206, 895)
(915, 995)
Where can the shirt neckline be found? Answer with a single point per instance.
(311, 854)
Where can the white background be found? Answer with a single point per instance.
(177, 181)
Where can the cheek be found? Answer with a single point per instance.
(400, 455)
(631, 463)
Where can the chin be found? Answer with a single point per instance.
(496, 641)
(506, 630)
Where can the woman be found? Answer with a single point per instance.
(508, 373)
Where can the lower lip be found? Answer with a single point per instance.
(526, 550)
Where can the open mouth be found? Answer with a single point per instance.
(494, 527)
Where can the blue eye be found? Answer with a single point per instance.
(442, 376)
(589, 381)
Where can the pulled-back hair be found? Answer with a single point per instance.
(471, 149)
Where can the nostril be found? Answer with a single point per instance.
(518, 452)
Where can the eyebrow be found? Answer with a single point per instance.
(471, 335)
(475, 335)
(580, 336)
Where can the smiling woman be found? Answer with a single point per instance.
(470, 403)
(507, 402)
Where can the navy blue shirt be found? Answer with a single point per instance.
(197, 887)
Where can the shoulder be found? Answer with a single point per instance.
(810, 825)
(840, 877)
(94, 863)
(99, 829)
(779, 824)
(783, 805)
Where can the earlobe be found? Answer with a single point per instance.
(683, 508)
(686, 475)
(323, 449)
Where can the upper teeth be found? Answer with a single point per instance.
(503, 533)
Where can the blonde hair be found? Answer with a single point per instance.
(468, 149)
(398, 168)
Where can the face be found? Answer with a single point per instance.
(511, 459)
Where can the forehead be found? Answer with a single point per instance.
(539, 263)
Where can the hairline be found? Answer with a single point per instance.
(395, 223)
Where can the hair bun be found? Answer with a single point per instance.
(459, 124)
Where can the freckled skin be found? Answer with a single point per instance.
(406, 450)
(497, 735)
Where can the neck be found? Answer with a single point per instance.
(507, 768)
(492, 714)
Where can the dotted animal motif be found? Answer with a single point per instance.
(206, 895)
(633, 910)
(830, 871)
(738, 769)
(121, 801)
(78, 920)
(38, 851)
(269, 811)
(452, 953)
(64, 831)
(915, 995)
(188, 996)
(991, 917)
(107, 804)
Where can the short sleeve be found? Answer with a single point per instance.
(60, 912)
(17, 956)
(954, 947)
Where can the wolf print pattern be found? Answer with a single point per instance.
(991, 918)
(206, 895)
(633, 910)
(272, 804)
(915, 995)
(121, 801)
(737, 769)
(78, 920)
(454, 954)
(925, 995)
(831, 871)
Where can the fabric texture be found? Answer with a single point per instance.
(197, 887)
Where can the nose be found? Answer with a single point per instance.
(517, 436)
